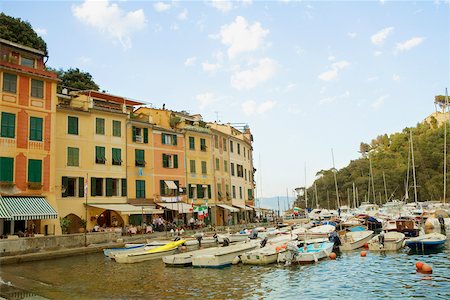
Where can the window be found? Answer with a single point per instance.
(232, 169)
(225, 166)
(96, 186)
(204, 167)
(27, 62)
(70, 186)
(202, 144)
(224, 144)
(112, 187)
(227, 190)
(36, 129)
(217, 164)
(139, 156)
(117, 128)
(37, 88)
(6, 169)
(216, 141)
(250, 194)
(219, 191)
(124, 187)
(170, 161)
(166, 191)
(240, 171)
(192, 166)
(140, 188)
(73, 155)
(9, 83)
(140, 135)
(191, 143)
(116, 156)
(72, 125)
(169, 139)
(233, 188)
(240, 192)
(231, 147)
(100, 157)
(8, 125)
(100, 126)
(243, 151)
(200, 191)
(245, 173)
(191, 191)
(35, 170)
(239, 148)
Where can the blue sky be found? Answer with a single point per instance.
(305, 76)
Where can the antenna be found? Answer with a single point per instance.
(217, 116)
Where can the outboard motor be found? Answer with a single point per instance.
(199, 237)
(264, 242)
(334, 238)
(292, 252)
(254, 234)
(442, 222)
(226, 242)
(177, 238)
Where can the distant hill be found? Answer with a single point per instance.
(272, 202)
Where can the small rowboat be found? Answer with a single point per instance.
(157, 252)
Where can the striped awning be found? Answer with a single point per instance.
(230, 208)
(26, 208)
(242, 207)
(128, 209)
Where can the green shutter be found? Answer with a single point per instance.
(199, 191)
(175, 161)
(64, 186)
(139, 157)
(6, 169)
(9, 83)
(163, 138)
(161, 187)
(146, 135)
(124, 187)
(209, 191)
(174, 139)
(100, 155)
(72, 157)
(34, 170)
(109, 187)
(117, 129)
(190, 192)
(93, 187)
(191, 143)
(100, 126)
(116, 156)
(204, 168)
(72, 125)
(165, 161)
(81, 187)
(35, 129)
(133, 129)
(177, 183)
(8, 127)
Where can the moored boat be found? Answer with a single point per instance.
(306, 254)
(430, 241)
(389, 241)
(185, 259)
(354, 239)
(143, 255)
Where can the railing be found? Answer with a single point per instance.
(7, 142)
(35, 145)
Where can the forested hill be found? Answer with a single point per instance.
(389, 155)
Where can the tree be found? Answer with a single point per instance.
(76, 79)
(21, 32)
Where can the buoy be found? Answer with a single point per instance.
(366, 246)
(419, 265)
(283, 246)
(363, 253)
(183, 248)
(278, 248)
(427, 269)
(332, 255)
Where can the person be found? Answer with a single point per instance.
(192, 222)
(96, 227)
(381, 238)
(230, 218)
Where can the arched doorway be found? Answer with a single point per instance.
(75, 223)
(110, 218)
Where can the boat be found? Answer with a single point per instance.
(233, 237)
(263, 256)
(143, 255)
(130, 248)
(185, 259)
(321, 231)
(306, 254)
(406, 226)
(393, 241)
(206, 240)
(368, 209)
(223, 256)
(354, 239)
(430, 241)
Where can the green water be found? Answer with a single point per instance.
(350, 276)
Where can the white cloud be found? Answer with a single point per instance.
(183, 15)
(250, 78)
(299, 50)
(332, 99)
(110, 19)
(379, 37)
(205, 99)
(211, 68)
(161, 6)
(241, 36)
(190, 61)
(395, 77)
(334, 70)
(251, 107)
(331, 58)
(409, 44)
(377, 53)
(41, 31)
(174, 27)
(222, 5)
(351, 35)
(372, 78)
(378, 102)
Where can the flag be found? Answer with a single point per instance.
(85, 186)
(192, 206)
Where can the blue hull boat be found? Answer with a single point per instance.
(431, 241)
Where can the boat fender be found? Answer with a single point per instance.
(264, 242)
(236, 260)
(226, 242)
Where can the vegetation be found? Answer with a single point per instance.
(389, 156)
(21, 32)
(65, 224)
(75, 79)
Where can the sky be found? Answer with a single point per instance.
(306, 76)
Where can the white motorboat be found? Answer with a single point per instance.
(392, 241)
(143, 255)
(368, 209)
(354, 239)
(206, 240)
(263, 256)
(233, 237)
(322, 231)
(185, 259)
(306, 254)
(223, 256)
(130, 248)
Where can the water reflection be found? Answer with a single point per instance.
(350, 276)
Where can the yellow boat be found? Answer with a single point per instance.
(169, 248)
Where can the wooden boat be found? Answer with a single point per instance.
(306, 254)
(354, 239)
(148, 254)
(185, 259)
(393, 241)
(428, 241)
(223, 256)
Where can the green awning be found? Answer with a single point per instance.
(26, 208)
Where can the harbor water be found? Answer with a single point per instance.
(93, 276)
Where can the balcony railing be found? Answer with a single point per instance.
(7, 142)
(35, 145)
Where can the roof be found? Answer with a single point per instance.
(109, 97)
(26, 48)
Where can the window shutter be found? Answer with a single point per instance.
(133, 130)
(190, 192)
(163, 138)
(209, 191)
(161, 187)
(174, 139)
(199, 191)
(175, 161)
(146, 135)
(109, 187)
(34, 170)
(81, 187)
(93, 187)
(6, 169)
(165, 162)
(8, 125)
(124, 187)
(64, 186)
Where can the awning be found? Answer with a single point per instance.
(243, 207)
(250, 207)
(230, 208)
(128, 209)
(181, 207)
(26, 208)
(170, 184)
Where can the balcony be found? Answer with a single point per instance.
(35, 145)
(7, 142)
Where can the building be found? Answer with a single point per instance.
(27, 142)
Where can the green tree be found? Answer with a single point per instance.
(21, 32)
(76, 79)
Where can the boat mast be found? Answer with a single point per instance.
(335, 181)
(385, 190)
(354, 196)
(371, 177)
(315, 191)
(407, 174)
(445, 146)
(306, 192)
(413, 167)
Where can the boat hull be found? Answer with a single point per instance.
(223, 256)
(393, 241)
(157, 252)
(355, 240)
